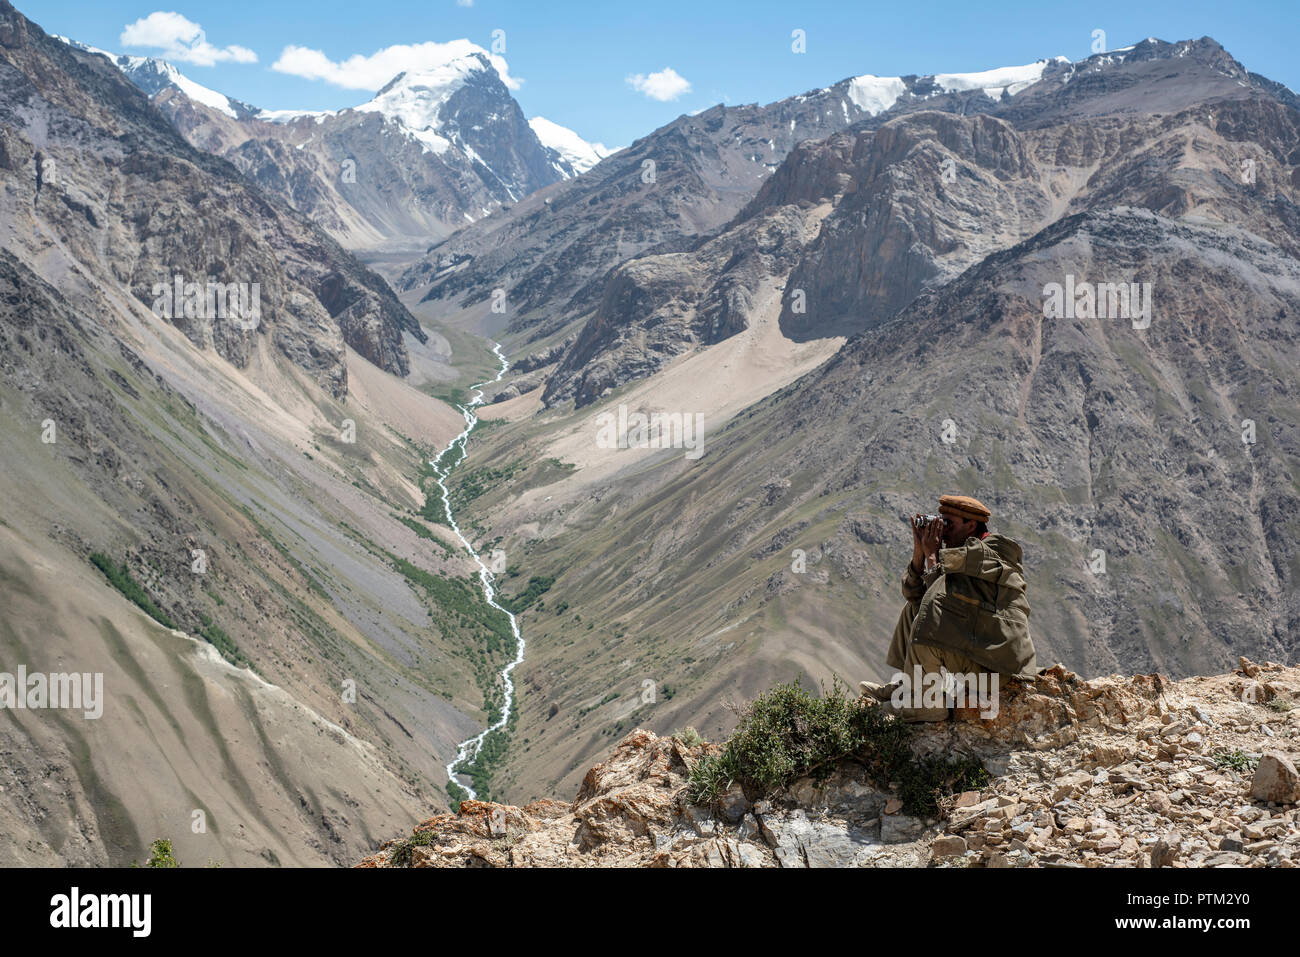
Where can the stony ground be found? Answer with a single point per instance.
(1113, 772)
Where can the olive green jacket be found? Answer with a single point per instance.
(974, 602)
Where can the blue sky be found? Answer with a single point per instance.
(574, 59)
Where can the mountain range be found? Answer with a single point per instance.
(1068, 289)
(431, 151)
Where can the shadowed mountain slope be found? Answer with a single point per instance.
(220, 512)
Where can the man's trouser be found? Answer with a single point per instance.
(904, 656)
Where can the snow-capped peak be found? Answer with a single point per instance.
(288, 116)
(876, 94)
(152, 75)
(139, 68)
(1011, 79)
(416, 98)
(570, 147)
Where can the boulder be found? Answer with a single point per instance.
(897, 828)
(733, 804)
(800, 842)
(1276, 779)
(950, 845)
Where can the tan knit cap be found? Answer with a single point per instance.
(963, 506)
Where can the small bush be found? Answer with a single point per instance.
(689, 737)
(789, 732)
(1237, 760)
(457, 794)
(404, 851)
(214, 636)
(537, 586)
(160, 855)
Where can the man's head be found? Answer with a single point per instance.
(965, 517)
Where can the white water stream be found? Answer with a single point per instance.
(470, 747)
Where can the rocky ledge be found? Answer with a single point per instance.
(1113, 772)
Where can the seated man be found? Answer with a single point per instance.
(966, 610)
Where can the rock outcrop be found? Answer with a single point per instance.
(1114, 772)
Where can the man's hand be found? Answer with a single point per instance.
(931, 539)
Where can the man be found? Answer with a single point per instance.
(966, 609)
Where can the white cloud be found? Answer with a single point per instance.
(181, 40)
(359, 72)
(663, 86)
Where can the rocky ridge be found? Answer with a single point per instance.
(1113, 772)
(917, 195)
(553, 252)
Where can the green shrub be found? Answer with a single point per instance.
(404, 851)
(471, 485)
(433, 510)
(121, 579)
(457, 794)
(488, 758)
(537, 587)
(119, 576)
(423, 531)
(789, 732)
(214, 636)
(1237, 760)
(463, 599)
(689, 737)
(160, 855)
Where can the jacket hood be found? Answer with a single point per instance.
(1006, 549)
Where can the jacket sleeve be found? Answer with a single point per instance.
(914, 585)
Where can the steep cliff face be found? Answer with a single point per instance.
(1114, 772)
(913, 218)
